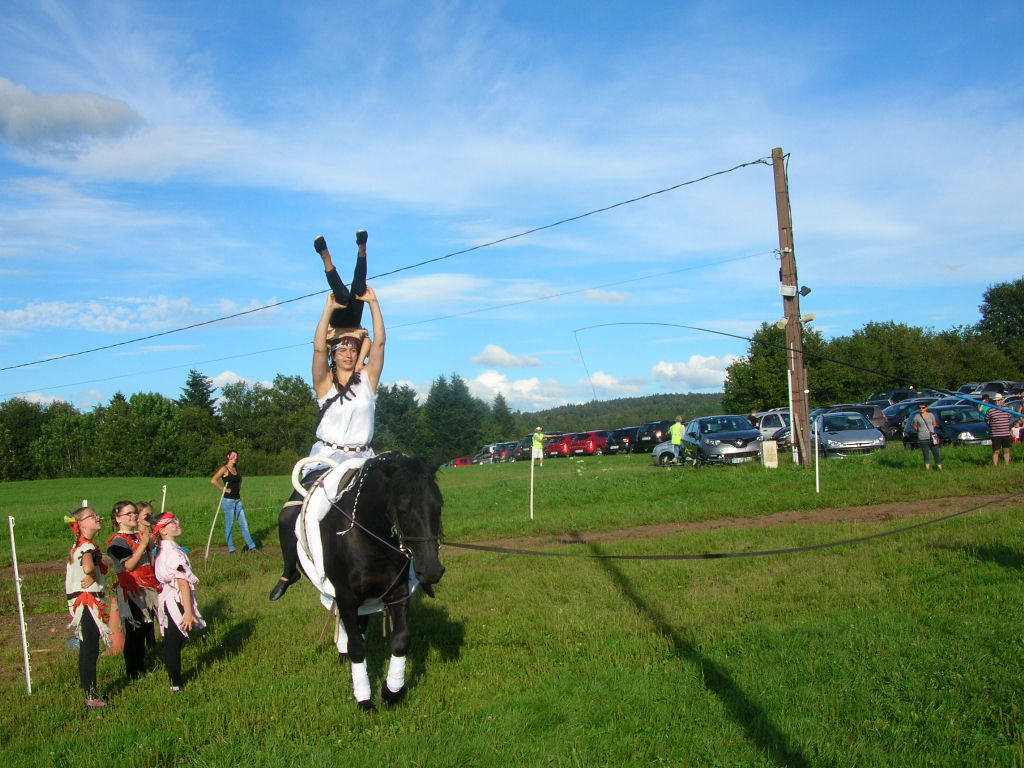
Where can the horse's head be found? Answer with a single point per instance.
(414, 506)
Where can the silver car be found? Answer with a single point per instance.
(725, 439)
(846, 433)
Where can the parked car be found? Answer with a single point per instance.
(663, 454)
(872, 413)
(486, 454)
(622, 440)
(772, 421)
(589, 443)
(650, 434)
(841, 434)
(726, 439)
(557, 446)
(502, 451)
(958, 425)
(895, 414)
(462, 461)
(522, 450)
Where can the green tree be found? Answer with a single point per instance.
(1002, 320)
(502, 420)
(452, 418)
(65, 446)
(24, 421)
(8, 464)
(198, 392)
(398, 426)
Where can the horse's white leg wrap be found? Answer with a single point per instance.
(396, 674)
(340, 637)
(360, 682)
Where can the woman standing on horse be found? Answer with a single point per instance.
(346, 392)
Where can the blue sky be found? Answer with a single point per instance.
(164, 164)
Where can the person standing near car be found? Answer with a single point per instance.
(925, 425)
(537, 446)
(675, 433)
(1000, 422)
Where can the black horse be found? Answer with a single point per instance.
(380, 539)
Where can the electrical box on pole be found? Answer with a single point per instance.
(790, 291)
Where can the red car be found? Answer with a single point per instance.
(462, 461)
(558, 446)
(589, 443)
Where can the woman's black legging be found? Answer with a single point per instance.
(174, 641)
(351, 315)
(926, 446)
(88, 653)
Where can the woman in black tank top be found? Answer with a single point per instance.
(228, 480)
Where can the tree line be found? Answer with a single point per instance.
(151, 435)
(838, 369)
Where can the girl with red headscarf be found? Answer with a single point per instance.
(178, 611)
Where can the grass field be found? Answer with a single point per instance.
(899, 651)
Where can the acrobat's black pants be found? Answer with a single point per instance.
(351, 315)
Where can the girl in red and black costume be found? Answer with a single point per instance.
(84, 586)
(136, 584)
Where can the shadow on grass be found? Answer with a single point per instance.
(759, 729)
(1002, 556)
(232, 640)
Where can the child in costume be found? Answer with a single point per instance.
(84, 585)
(128, 548)
(178, 611)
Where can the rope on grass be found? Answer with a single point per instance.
(724, 555)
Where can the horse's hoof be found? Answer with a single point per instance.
(367, 706)
(391, 698)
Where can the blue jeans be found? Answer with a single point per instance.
(233, 510)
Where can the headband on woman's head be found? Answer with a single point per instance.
(166, 519)
(346, 341)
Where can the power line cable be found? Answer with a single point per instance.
(546, 297)
(759, 161)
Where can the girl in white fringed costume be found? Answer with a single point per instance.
(84, 586)
(178, 611)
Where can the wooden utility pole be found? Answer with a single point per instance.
(790, 290)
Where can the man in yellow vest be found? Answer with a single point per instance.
(676, 433)
(537, 446)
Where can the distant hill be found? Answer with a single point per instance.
(622, 412)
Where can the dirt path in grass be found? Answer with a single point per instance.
(47, 633)
(872, 513)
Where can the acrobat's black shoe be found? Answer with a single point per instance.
(282, 586)
(320, 244)
(361, 237)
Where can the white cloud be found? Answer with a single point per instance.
(60, 123)
(497, 356)
(531, 394)
(41, 399)
(612, 385)
(605, 297)
(697, 373)
(230, 377)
